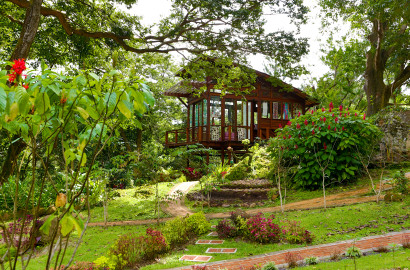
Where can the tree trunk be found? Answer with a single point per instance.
(29, 30)
(27, 36)
(377, 93)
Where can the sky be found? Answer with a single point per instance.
(153, 10)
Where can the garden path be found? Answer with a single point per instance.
(340, 199)
(177, 207)
(324, 251)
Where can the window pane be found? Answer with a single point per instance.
(215, 110)
(239, 112)
(229, 111)
(286, 111)
(205, 108)
(265, 109)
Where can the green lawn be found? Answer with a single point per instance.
(129, 207)
(371, 262)
(334, 224)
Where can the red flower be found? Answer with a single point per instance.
(341, 108)
(306, 122)
(330, 110)
(25, 86)
(313, 132)
(280, 125)
(333, 115)
(324, 119)
(364, 116)
(19, 66)
(340, 114)
(343, 128)
(289, 123)
(12, 77)
(335, 129)
(296, 146)
(63, 100)
(345, 114)
(313, 123)
(312, 112)
(336, 119)
(284, 137)
(298, 114)
(348, 113)
(331, 105)
(355, 114)
(223, 174)
(328, 127)
(320, 128)
(324, 146)
(323, 109)
(298, 126)
(290, 136)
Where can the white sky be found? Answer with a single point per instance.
(153, 10)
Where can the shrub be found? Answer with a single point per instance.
(238, 213)
(295, 234)
(400, 182)
(238, 171)
(311, 260)
(328, 137)
(263, 230)
(197, 223)
(269, 266)
(133, 248)
(226, 229)
(191, 173)
(353, 251)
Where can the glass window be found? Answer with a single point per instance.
(239, 112)
(191, 108)
(276, 110)
(265, 109)
(205, 109)
(286, 111)
(229, 112)
(215, 110)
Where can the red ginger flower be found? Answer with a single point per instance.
(25, 86)
(364, 116)
(306, 122)
(328, 127)
(331, 105)
(19, 66)
(335, 129)
(343, 128)
(340, 114)
(290, 136)
(313, 132)
(324, 119)
(336, 119)
(313, 123)
(289, 123)
(298, 126)
(298, 114)
(324, 146)
(355, 114)
(280, 125)
(333, 115)
(296, 146)
(341, 108)
(323, 109)
(12, 77)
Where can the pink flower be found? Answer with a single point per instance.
(298, 114)
(355, 114)
(364, 116)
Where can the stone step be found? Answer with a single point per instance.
(209, 242)
(195, 258)
(221, 250)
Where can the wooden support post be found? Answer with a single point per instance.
(200, 133)
(176, 136)
(267, 133)
(223, 156)
(187, 135)
(229, 132)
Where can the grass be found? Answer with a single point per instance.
(129, 207)
(96, 243)
(334, 224)
(295, 195)
(371, 262)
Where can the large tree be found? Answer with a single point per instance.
(64, 32)
(384, 24)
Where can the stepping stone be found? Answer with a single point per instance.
(209, 242)
(221, 250)
(195, 258)
(212, 234)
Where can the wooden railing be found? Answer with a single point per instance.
(200, 134)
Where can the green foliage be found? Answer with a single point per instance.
(353, 252)
(325, 143)
(198, 224)
(311, 260)
(180, 229)
(238, 172)
(270, 266)
(401, 183)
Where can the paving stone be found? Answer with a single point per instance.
(213, 234)
(221, 250)
(195, 258)
(208, 242)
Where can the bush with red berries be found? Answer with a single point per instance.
(327, 140)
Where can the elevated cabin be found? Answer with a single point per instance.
(218, 122)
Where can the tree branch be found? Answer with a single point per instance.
(400, 79)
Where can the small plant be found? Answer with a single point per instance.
(192, 173)
(226, 229)
(198, 224)
(270, 266)
(381, 249)
(311, 260)
(292, 258)
(295, 234)
(336, 255)
(393, 248)
(263, 230)
(199, 267)
(400, 183)
(354, 252)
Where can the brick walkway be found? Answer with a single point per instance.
(320, 251)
